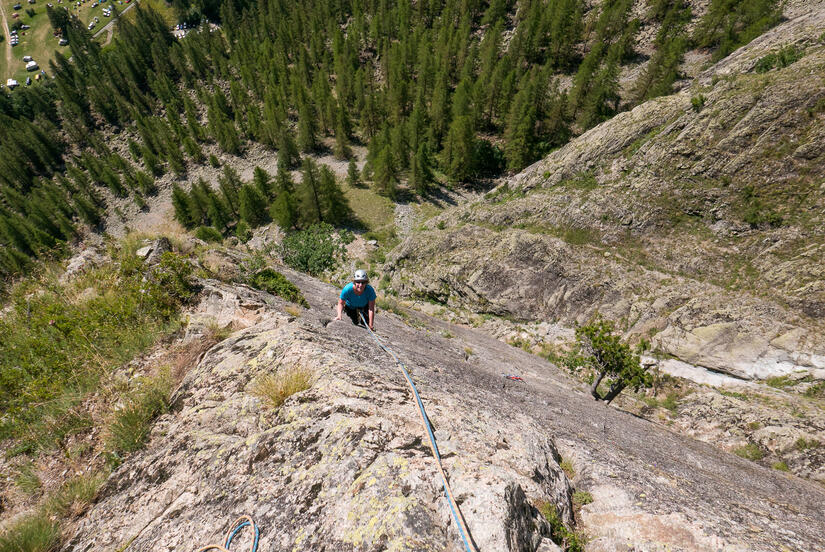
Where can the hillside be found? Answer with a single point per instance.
(696, 219)
(337, 458)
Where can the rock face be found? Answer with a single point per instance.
(698, 219)
(343, 465)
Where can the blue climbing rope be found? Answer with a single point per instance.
(240, 523)
(462, 528)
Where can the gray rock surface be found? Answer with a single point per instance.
(342, 465)
(643, 219)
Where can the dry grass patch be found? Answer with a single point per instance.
(275, 389)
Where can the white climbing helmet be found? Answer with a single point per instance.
(360, 276)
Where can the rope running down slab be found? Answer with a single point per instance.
(457, 516)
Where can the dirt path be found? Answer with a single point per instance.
(9, 55)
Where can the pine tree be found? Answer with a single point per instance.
(263, 181)
(353, 177)
(307, 139)
(310, 201)
(180, 201)
(284, 210)
(421, 176)
(333, 202)
(230, 184)
(252, 206)
(385, 173)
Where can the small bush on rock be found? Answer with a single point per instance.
(276, 283)
(609, 359)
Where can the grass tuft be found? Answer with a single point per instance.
(26, 479)
(568, 540)
(275, 389)
(33, 533)
(567, 467)
(129, 427)
(75, 495)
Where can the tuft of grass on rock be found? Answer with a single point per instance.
(26, 479)
(781, 466)
(75, 495)
(567, 467)
(33, 533)
(275, 389)
(568, 540)
(130, 426)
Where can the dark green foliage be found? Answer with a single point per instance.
(780, 59)
(608, 359)
(252, 206)
(208, 234)
(314, 250)
(242, 231)
(334, 205)
(728, 24)
(670, 45)
(755, 213)
(180, 202)
(284, 210)
(276, 283)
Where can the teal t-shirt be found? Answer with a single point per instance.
(357, 301)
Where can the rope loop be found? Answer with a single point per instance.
(237, 525)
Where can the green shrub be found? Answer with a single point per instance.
(697, 103)
(817, 390)
(213, 160)
(276, 283)
(779, 382)
(805, 444)
(208, 234)
(174, 274)
(34, 533)
(129, 427)
(274, 389)
(751, 451)
(314, 250)
(607, 358)
(243, 231)
(780, 59)
(580, 498)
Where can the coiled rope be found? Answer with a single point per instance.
(457, 516)
(240, 523)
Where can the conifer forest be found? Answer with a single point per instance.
(437, 91)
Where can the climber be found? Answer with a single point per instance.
(358, 297)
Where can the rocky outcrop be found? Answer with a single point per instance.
(342, 465)
(697, 219)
